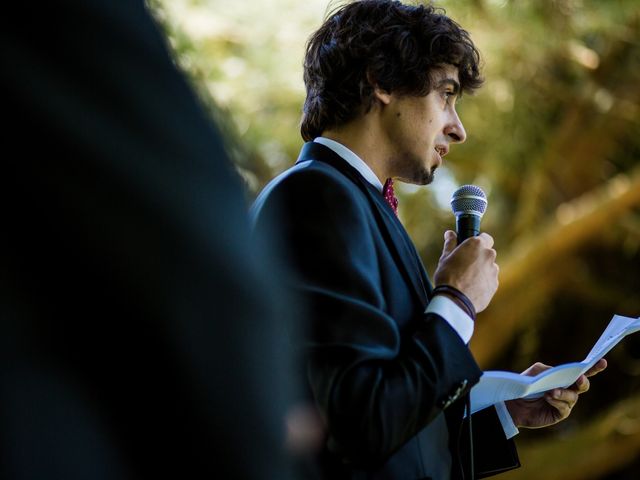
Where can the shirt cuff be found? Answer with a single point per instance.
(453, 314)
(510, 429)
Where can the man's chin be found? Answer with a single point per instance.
(429, 176)
(424, 177)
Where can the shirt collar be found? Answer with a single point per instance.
(352, 159)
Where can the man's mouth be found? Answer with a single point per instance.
(442, 151)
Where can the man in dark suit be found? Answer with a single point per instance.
(140, 331)
(386, 353)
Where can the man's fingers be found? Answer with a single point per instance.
(484, 241)
(487, 239)
(450, 242)
(566, 395)
(535, 369)
(563, 400)
(582, 384)
(597, 368)
(563, 408)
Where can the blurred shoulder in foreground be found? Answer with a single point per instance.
(139, 335)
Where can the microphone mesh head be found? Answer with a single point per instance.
(469, 199)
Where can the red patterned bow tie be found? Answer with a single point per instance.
(389, 196)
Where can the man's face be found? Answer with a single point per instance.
(420, 130)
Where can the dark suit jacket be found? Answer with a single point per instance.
(382, 372)
(139, 330)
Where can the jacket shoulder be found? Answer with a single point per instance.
(314, 183)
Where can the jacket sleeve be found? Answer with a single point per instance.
(375, 386)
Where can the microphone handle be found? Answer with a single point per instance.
(467, 226)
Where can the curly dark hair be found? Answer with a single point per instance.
(381, 43)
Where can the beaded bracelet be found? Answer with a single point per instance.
(464, 300)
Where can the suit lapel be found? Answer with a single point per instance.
(405, 248)
(390, 227)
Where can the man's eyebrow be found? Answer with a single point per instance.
(449, 81)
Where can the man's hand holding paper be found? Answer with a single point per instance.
(555, 405)
(544, 395)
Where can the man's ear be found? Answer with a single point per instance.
(382, 95)
(379, 93)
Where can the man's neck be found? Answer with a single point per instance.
(362, 140)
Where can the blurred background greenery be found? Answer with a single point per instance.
(554, 140)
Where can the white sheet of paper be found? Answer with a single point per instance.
(499, 386)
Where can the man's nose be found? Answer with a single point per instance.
(455, 130)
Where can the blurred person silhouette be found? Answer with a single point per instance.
(139, 336)
(386, 352)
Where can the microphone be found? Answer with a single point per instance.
(468, 204)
